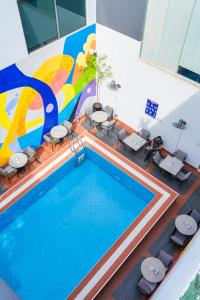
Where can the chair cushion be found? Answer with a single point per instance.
(165, 258)
(157, 158)
(195, 214)
(122, 134)
(178, 238)
(144, 133)
(146, 287)
(180, 155)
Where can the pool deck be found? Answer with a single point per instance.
(122, 285)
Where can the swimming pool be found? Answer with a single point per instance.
(57, 232)
(36, 225)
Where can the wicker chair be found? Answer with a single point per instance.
(8, 172)
(108, 126)
(50, 140)
(31, 154)
(110, 111)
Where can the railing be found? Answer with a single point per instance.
(79, 158)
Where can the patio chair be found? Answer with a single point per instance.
(50, 140)
(178, 238)
(182, 177)
(146, 287)
(8, 172)
(68, 126)
(31, 154)
(144, 133)
(109, 110)
(165, 258)
(180, 155)
(108, 126)
(121, 135)
(88, 114)
(157, 158)
(195, 214)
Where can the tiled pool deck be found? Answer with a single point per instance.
(123, 284)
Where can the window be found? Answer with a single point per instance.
(189, 74)
(44, 21)
(174, 44)
(71, 15)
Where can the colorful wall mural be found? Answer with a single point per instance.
(31, 105)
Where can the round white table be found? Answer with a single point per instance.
(99, 116)
(186, 225)
(18, 160)
(58, 132)
(153, 269)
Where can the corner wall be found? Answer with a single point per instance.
(177, 99)
(125, 16)
(13, 45)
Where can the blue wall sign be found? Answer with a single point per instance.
(151, 108)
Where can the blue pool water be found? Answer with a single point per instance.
(53, 236)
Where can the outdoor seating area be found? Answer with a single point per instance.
(132, 145)
(170, 166)
(153, 270)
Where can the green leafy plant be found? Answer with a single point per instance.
(103, 70)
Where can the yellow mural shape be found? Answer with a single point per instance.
(69, 92)
(4, 119)
(81, 62)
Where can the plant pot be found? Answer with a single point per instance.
(97, 106)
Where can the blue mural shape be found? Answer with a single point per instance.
(12, 78)
(151, 108)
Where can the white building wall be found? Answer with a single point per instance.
(90, 12)
(13, 45)
(177, 98)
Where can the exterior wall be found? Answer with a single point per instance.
(12, 36)
(177, 98)
(125, 16)
(90, 12)
(41, 91)
(13, 45)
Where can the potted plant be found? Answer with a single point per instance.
(103, 71)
